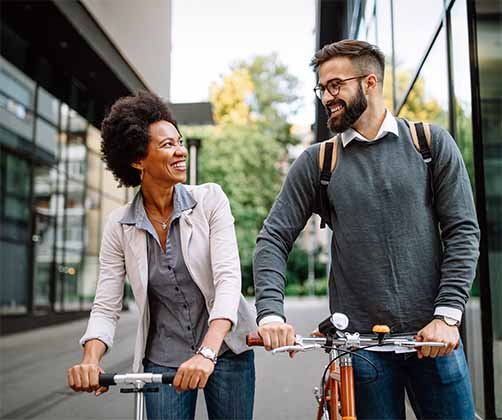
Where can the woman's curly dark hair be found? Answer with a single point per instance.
(124, 133)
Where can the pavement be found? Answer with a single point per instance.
(33, 369)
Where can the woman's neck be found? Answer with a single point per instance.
(158, 200)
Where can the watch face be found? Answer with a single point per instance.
(450, 321)
(207, 352)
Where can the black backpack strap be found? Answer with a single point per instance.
(325, 178)
(421, 135)
(327, 162)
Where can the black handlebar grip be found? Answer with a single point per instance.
(167, 378)
(106, 379)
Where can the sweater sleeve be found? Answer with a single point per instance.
(293, 207)
(457, 221)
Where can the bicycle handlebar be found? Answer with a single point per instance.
(349, 341)
(108, 379)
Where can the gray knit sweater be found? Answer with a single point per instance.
(394, 257)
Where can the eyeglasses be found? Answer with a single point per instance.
(333, 86)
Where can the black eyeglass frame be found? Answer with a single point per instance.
(319, 90)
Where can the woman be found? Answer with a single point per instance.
(177, 246)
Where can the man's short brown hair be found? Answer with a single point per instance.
(367, 58)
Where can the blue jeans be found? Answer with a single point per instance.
(438, 388)
(229, 391)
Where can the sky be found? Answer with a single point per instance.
(208, 36)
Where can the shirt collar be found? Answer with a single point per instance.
(135, 213)
(389, 125)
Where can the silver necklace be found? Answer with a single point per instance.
(163, 224)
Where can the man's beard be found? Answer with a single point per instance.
(350, 114)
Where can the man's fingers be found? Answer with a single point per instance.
(178, 378)
(434, 352)
(426, 351)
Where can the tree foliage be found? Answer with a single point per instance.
(244, 151)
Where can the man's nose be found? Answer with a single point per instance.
(327, 97)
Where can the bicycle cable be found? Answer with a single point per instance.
(353, 352)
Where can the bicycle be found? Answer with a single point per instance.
(337, 399)
(138, 381)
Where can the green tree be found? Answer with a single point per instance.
(245, 151)
(263, 92)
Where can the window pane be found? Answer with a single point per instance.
(16, 85)
(464, 139)
(46, 140)
(92, 241)
(490, 62)
(44, 195)
(94, 169)
(48, 106)
(14, 274)
(14, 225)
(414, 25)
(384, 42)
(94, 139)
(428, 99)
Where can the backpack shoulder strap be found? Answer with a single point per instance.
(421, 136)
(328, 153)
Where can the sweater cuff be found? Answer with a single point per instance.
(449, 312)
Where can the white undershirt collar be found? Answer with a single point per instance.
(389, 125)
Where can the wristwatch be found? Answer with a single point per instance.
(207, 353)
(452, 322)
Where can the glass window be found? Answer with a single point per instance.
(44, 233)
(92, 234)
(16, 85)
(428, 99)
(15, 217)
(94, 169)
(414, 25)
(111, 186)
(48, 106)
(46, 140)
(94, 139)
(384, 41)
(489, 36)
(463, 136)
(14, 274)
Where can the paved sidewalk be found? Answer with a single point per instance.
(33, 369)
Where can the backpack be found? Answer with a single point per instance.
(328, 152)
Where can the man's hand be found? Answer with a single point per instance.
(277, 334)
(438, 330)
(193, 373)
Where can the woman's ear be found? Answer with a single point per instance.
(137, 165)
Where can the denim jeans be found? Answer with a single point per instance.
(229, 391)
(438, 388)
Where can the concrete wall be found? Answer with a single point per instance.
(141, 31)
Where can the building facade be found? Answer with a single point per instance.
(444, 60)
(62, 64)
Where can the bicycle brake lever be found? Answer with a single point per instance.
(297, 347)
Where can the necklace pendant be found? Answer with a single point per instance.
(164, 226)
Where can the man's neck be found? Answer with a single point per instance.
(370, 121)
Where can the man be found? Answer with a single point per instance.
(399, 257)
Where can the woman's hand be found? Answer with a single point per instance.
(193, 373)
(85, 377)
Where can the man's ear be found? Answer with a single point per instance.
(371, 81)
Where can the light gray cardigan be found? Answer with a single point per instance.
(209, 248)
